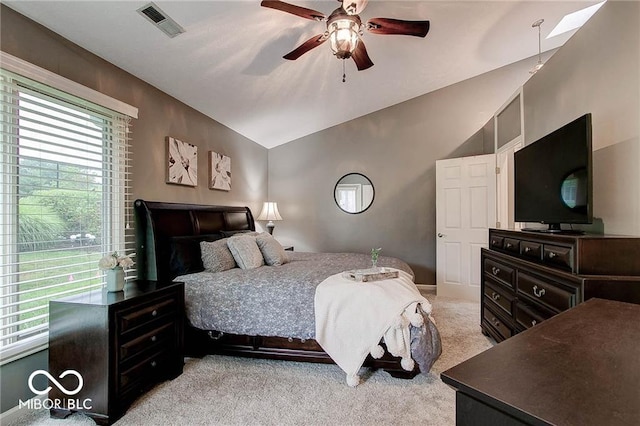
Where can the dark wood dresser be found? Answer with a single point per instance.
(581, 368)
(528, 277)
(120, 343)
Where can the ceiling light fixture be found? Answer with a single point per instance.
(539, 65)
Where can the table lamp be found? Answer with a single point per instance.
(270, 212)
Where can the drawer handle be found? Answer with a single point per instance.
(154, 338)
(494, 243)
(495, 296)
(538, 293)
(494, 270)
(495, 322)
(154, 313)
(552, 255)
(527, 249)
(533, 322)
(153, 364)
(509, 245)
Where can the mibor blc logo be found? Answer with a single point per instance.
(57, 403)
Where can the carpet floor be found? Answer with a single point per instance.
(219, 390)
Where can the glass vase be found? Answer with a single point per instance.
(115, 279)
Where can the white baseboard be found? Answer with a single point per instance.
(427, 287)
(16, 412)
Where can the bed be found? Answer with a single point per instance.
(266, 312)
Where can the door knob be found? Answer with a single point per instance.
(440, 235)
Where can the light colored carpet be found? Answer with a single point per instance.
(219, 390)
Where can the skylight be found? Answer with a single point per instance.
(575, 20)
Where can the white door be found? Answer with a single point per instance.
(465, 209)
(505, 185)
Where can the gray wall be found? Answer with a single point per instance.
(159, 116)
(598, 71)
(397, 149)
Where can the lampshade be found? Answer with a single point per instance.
(270, 211)
(343, 36)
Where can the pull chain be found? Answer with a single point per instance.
(344, 73)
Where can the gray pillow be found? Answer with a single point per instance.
(272, 250)
(216, 256)
(245, 251)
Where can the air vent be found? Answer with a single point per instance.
(157, 17)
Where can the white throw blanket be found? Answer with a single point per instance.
(352, 317)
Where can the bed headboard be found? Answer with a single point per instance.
(168, 235)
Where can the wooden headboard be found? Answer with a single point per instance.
(168, 235)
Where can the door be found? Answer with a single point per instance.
(465, 209)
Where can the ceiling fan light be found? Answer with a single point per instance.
(343, 37)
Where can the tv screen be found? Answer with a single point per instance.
(553, 181)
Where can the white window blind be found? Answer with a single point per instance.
(65, 202)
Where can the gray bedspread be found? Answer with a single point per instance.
(270, 300)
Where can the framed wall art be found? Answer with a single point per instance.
(219, 171)
(182, 162)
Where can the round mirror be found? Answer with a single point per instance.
(574, 190)
(354, 193)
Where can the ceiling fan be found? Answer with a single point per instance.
(345, 28)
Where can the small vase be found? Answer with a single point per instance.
(115, 279)
(374, 263)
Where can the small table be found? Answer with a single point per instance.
(581, 367)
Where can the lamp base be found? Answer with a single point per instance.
(270, 227)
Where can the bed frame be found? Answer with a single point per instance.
(167, 245)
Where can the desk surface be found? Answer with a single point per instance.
(581, 367)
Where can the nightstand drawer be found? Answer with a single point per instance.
(148, 342)
(544, 293)
(138, 316)
(146, 371)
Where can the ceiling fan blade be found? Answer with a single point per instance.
(397, 26)
(314, 15)
(313, 42)
(361, 57)
(354, 7)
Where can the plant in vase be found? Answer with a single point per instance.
(375, 253)
(115, 264)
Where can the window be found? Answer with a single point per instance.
(65, 202)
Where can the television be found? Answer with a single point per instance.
(553, 178)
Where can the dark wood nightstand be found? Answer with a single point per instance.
(121, 344)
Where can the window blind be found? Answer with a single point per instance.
(65, 202)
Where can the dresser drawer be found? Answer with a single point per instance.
(496, 323)
(558, 255)
(499, 297)
(527, 317)
(138, 316)
(499, 271)
(496, 242)
(544, 293)
(148, 342)
(512, 245)
(531, 250)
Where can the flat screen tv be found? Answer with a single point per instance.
(553, 178)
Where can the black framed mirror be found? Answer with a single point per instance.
(354, 193)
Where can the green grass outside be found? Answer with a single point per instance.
(66, 265)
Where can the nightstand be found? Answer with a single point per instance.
(122, 344)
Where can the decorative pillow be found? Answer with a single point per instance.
(216, 256)
(245, 251)
(272, 251)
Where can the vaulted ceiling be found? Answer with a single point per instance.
(228, 64)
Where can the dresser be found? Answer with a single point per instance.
(580, 367)
(120, 343)
(528, 277)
